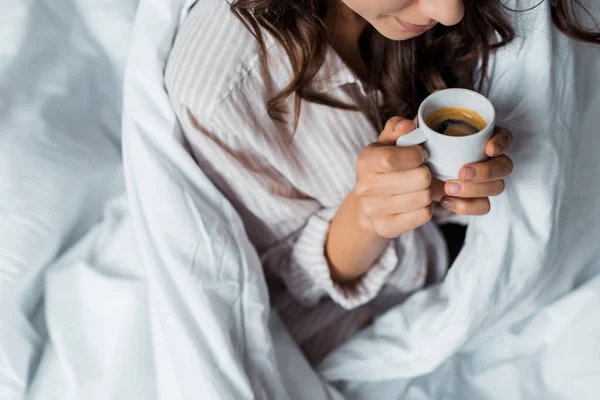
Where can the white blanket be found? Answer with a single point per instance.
(61, 70)
(165, 298)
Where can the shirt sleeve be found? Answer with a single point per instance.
(288, 229)
(306, 272)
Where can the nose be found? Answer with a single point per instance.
(446, 12)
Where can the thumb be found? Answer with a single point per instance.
(394, 128)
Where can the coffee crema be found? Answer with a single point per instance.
(455, 121)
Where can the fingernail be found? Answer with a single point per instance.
(497, 149)
(447, 203)
(405, 125)
(453, 188)
(424, 153)
(469, 174)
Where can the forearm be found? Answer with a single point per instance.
(352, 245)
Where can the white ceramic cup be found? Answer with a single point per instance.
(448, 154)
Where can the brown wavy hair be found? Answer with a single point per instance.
(404, 71)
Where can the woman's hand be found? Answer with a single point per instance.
(393, 187)
(470, 194)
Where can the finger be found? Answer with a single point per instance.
(385, 159)
(493, 169)
(394, 128)
(395, 183)
(398, 204)
(478, 206)
(437, 189)
(391, 227)
(474, 190)
(499, 143)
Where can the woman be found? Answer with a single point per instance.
(293, 108)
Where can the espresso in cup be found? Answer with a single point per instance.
(455, 121)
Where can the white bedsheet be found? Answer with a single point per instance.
(165, 298)
(61, 70)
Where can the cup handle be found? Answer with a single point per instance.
(412, 138)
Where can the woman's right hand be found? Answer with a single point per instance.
(393, 186)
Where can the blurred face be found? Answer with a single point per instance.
(405, 19)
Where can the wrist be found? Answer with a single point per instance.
(352, 244)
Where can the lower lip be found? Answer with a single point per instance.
(414, 28)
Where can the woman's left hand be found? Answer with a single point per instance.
(478, 181)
